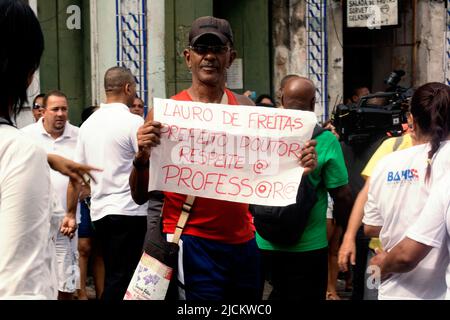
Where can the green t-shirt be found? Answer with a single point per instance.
(329, 174)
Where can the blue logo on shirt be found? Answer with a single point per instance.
(408, 175)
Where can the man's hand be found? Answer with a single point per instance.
(148, 136)
(347, 252)
(85, 192)
(78, 172)
(308, 157)
(331, 128)
(377, 260)
(69, 226)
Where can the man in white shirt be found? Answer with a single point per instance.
(108, 140)
(57, 136)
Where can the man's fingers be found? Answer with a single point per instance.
(310, 143)
(353, 258)
(86, 175)
(343, 262)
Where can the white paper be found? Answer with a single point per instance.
(235, 75)
(236, 153)
(372, 14)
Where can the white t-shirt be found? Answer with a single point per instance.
(433, 226)
(108, 140)
(64, 146)
(397, 194)
(25, 265)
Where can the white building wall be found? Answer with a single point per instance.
(156, 50)
(431, 27)
(335, 56)
(104, 46)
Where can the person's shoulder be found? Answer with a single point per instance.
(326, 137)
(19, 144)
(243, 100)
(181, 96)
(392, 158)
(31, 127)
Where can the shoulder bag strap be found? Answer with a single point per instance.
(398, 142)
(185, 211)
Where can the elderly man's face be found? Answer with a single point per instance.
(208, 59)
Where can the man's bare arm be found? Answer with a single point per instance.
(347, 251)
(402, 258)
(69, 224)
(148, 137)
(342, 199)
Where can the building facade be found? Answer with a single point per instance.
(316, 38)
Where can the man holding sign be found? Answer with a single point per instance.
(218, 257)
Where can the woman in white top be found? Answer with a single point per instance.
(25, 202)
(431, 230)
(399, 188)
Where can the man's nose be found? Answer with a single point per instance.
(210, 55)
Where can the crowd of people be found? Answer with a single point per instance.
(68, 193)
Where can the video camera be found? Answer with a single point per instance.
(374, 114)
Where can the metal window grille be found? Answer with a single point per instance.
(317, 52)
(131, 29)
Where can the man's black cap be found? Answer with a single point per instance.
(210, 25)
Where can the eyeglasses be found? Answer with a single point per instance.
(37, 106)
(203, 49)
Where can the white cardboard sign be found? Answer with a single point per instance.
(235, 153)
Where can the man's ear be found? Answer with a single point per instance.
(127, 88)
(233, 55)
(187, 58)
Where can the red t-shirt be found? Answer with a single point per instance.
(218, 220)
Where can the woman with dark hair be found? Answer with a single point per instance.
(25, 193)
(25, 263)
(399, 188)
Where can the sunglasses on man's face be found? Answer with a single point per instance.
(37, 106)
(203, 49)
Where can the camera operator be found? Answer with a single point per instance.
(358, 93)
(370, 123)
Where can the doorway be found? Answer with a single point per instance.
(371, 55)
(250, 21)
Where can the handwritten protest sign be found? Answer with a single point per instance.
(235, 153)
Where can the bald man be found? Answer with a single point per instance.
(301, 271)
(298, 93)
(108, 141)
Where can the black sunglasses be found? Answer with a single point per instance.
(203, 49)
(37, 106)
